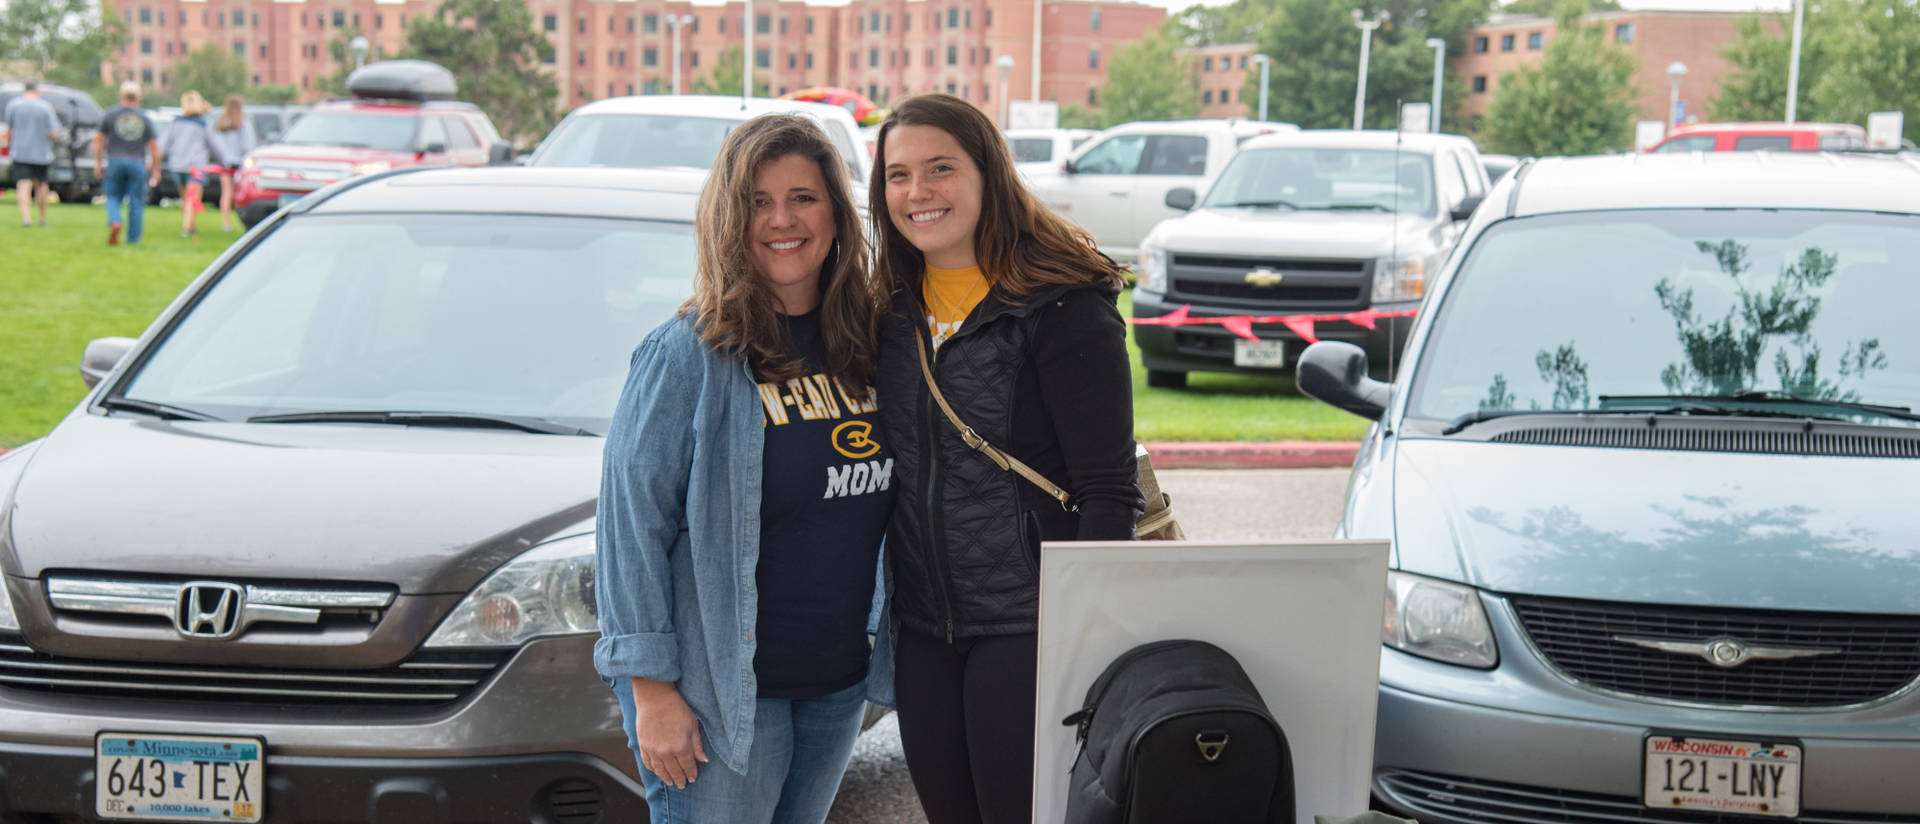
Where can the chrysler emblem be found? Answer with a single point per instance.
(1263, 277)
(1725, 652)
(209, 609)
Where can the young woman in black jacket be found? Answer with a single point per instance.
(1014, 309)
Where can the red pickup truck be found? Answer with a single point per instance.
(1778, 137)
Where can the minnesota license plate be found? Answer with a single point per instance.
(1267, 353)
(151, 776)
(1742, 777)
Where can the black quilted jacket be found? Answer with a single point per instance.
(1046, 380)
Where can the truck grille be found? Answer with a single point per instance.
(1449, 800)
(1874, 656)
(1308, 283)
(427, 679)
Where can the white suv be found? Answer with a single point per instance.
(1115, 186)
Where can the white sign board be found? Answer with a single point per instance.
(1416, 117)
(1033, 114)
(1303, 619)
(1884, 128)
(1648, 133)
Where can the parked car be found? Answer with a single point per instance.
(1115, 185)
(401, 114)
(364, 444)
(1040, 151)
(1497, 166)
(1779, 137)
(269, 122)
(72, 174)
(1641, 473)
(1315, 222)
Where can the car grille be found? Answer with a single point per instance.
(1876, 655)
(1305, 282)
(427, 679)
(1438, 798)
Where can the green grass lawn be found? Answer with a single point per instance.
(62, 286)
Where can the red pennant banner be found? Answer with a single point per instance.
(1302, 325)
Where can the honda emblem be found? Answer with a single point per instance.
(209, 609)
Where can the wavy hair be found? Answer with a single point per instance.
(734, 308)
(1020, 244)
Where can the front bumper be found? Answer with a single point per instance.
(1209, 347)
(543, 734)
(1520, 744)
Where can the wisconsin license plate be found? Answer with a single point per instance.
(1259, 353)
(150, 776)
(1742, 777)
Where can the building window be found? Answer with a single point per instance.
(953, 55)
(649, 57)
(693, 58)
(1095, 24)
(1506, 42)
(1243, 61)
(723, 24)
(696, 23)
(969, 20)
(1535, 40)
(1623, 33)
(146, 45)
(1226, 95)
(580, 27)
(146, 15)
(1479, 45)
(893, 58)
(929, 58)
(256, 80)
(873, 58)
(1473, 123)
(973, 57)
(783, 25)
(240, 49)
(550, 22)
(339, 19)
(629, 89)
(629, 25)
(762, 24)
(1206, 65)
(169, 48)
(809, 25)
(953, 19)
(1479, 83)
(146, 76)
(240, 19)
(809, 60)
(547, 57)
(873, 21)
(1093, 58)
(793, 60)
(951, 88)
(379, 20)
(1093, 94)
(989, 22)
(650, 24)
(580, 59)
(906, 22)
(651, 86)
(762, 58)
(1206, 97)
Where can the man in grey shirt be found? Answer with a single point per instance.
(31, 128)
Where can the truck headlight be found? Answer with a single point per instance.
(7, 621)
(249, 162)
(1437, 619)
(1397, 279)
(372, 167)
(1152, 269)
(546, 591)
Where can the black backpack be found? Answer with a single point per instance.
(1175, 732)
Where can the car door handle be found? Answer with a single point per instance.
(1119, 193)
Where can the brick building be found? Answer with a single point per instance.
(603, 48)
(1656, 39)
(1222, 73)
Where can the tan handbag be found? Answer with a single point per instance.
(1156, 522)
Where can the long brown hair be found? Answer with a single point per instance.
(732, 303)
(1020, 244)
(231, 114)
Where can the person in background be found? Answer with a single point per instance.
(128, 156)
(236, 136)
(188, 149)
(31, 129)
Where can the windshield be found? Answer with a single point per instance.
(1031, 149)
(392, 132)
(635, 141)
(491, 315)
(1305, 178)
(1563, 312)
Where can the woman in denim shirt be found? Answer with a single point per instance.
(745, 494)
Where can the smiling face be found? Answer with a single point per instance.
(933, 194)
(792, 230)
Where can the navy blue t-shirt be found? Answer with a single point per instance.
(827, 489)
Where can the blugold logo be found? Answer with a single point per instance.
(854, 439)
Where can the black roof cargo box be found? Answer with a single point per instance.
(402, 80)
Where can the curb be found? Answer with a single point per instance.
(1253, 455)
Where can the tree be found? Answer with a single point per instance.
(274, 94)
(1854, 59)
(1755, 86)
(65, 41)
(1148, 80)
(495, 54)
(1552, 8)
(1316, 48)
(724, 77)
(1579, 99)
(1076, 116)
(340, 50)
(212, 71)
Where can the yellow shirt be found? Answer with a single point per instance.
(950, 295)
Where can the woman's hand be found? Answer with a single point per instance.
(668, 733)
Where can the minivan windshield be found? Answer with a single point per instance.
(364, 130)
(636, 141)
(1294, 177)
(1681, 308)
(531, 317)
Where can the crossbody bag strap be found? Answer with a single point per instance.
(973, 440)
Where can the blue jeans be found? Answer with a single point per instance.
(800, 750)
(126, 180)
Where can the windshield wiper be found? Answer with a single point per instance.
(1255, 204)
(1679, 408)
(1357, 207)
(159, 410)
(524, 423)
(1771, 396)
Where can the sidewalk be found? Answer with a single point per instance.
(1253, 455)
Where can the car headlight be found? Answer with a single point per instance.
(248, 162)
(1397, 279)
(7, 621)
(372, 167)
(1437, 619)
(1152, 268)
(546, 591)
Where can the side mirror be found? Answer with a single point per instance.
(1182, 198)
(100, 358)
(1335, 374)
(500, 153)
(1466, 207)
(1067, 167)
(435, 147)
(522, 159)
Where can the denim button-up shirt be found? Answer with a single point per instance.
(679, 537)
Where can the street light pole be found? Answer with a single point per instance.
(1675, 71)
(1793, 62)
(1366, 46)
(1439, 47)
(1263, 60)
(746, 80)
(675, 22)
(359, 46)
(1033, 93)
(1005, 64)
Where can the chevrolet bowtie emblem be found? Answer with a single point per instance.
(1263, 277)
(1726, 652)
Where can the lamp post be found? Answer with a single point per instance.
(1366, 45)
(1793, 62)
(1033, 93)
(359, 46)
(1263, 60)
(1675, 72)
(746, 79)
(1439, 47)
(674, 23)
(1005, 64)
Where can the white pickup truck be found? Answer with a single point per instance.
(1115, 185)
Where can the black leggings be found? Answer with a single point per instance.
(966, 723)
